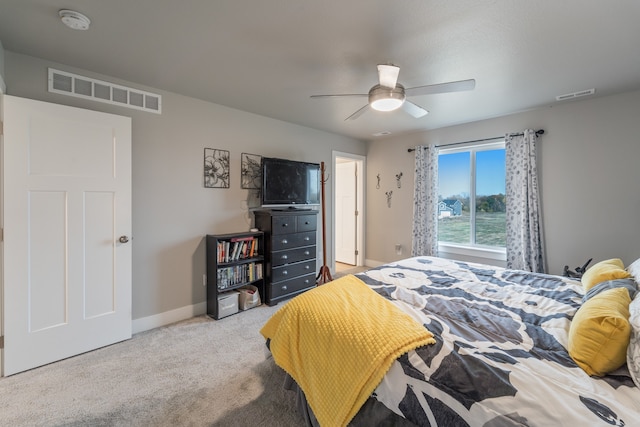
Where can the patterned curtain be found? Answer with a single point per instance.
(525, 249)
(425, 202)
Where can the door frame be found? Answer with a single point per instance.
(2, 91)
(361, 164)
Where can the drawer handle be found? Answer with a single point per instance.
(306, 223)
(307, 238)
(284, 241)
(284, 257)
(284, 224)
(285, 272)
(306, 267)
(306, 252)
(284, 287)
(306, 281)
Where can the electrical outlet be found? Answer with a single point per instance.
(204, 280)
(398, 249)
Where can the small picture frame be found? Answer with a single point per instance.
(250, 174)
(216, 168)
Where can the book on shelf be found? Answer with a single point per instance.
(237, 248)
(238, 275)
(254, 245)
(234, 252)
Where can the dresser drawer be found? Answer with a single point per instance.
(286, 241)
(283, 224)
(286, 287)
(290, 271)
(292, 255)
(306, 223)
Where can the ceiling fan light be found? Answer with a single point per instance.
(386, 104)
(385, 99)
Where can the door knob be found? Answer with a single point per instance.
(123, 239)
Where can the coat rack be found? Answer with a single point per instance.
(324, 275)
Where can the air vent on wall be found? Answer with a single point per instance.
(101, 91)
(575, 94)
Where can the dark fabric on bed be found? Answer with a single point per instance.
(629, 284)
(372, 413)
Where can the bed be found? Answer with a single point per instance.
(499, 353)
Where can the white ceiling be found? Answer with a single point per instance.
(268, 57)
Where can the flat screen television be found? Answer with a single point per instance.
(289, 183)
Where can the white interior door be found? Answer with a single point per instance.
(67, 201)
(346, 208)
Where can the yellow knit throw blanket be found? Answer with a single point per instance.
(337, 341)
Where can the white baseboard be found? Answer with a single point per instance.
(157, 320)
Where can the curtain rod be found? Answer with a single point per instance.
(538, 133)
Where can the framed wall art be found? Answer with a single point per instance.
(216, 168)
(250, 175)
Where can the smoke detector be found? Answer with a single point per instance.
(74, 20)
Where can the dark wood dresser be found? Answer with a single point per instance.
(290, 251)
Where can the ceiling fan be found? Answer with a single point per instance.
(390, 95)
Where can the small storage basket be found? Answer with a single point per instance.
(249, 297)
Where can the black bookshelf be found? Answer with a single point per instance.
(234, 260)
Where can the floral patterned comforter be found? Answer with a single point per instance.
(500, 356)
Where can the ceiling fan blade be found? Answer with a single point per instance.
(342, 95)
(414, 109)
(358, 113)
(458, 86)
(388, 75)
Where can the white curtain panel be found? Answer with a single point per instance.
(525, 250)
(425, 202)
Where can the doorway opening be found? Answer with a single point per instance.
(348, 210)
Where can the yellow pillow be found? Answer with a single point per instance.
(600, 332)
(610, 269)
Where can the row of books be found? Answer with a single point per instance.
(239, 274)
(237, 248)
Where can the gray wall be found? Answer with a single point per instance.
(2, 84)
(588, 170)
(172, 211)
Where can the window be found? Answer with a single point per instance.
(471, 197)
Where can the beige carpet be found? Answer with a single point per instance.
(198, 372)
